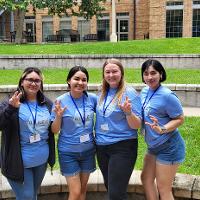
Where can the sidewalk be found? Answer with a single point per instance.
(191, 111)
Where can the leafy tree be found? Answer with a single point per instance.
(85, 8)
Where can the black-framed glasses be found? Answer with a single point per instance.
(31, 80)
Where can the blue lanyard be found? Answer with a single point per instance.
(145, 101)
(104, 105)
(34, 117)
(82, 117)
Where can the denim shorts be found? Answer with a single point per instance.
(171, 152)
(72, 163)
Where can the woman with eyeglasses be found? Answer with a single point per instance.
(73, 119)
(27, 143)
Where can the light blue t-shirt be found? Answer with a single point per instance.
(164, 105)
(34, 154)
(74, 136)
(112, 126)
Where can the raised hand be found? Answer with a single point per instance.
(15, 99)
(126, 106)
(58, 109)
(154, 125)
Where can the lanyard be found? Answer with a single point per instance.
(145, 101)
(34, 117)
(104, 105)
(82, 117)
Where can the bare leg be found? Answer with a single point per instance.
(74, 186)
(84, 180)
(78, 186)
(148, 177)
(164, 176)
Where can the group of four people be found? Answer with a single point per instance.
(28, 120)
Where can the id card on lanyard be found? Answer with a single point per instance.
(144, 106)
(104, 126)
(85, 137)
(35, 137)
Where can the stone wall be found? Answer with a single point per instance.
(96, 61)
(185, 187)
(189, 94)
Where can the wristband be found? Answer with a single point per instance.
(127, 113)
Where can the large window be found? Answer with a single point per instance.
(103, 29)
(65, 23)
(174, 19)
(47, 27)
(83, 27)
(196, 19)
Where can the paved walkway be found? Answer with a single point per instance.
(191, 111)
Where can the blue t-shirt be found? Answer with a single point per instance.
(164, 105)
(112, 126)
(34, 154)
(74, 136)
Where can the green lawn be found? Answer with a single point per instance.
(156, 46)
(189, 130)
(58, 76)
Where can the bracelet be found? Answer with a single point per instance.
(127, 113)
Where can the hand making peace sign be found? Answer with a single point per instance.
(15, 99)
(58, 109)
(126, 106)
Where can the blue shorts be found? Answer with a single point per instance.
(171, 152)
(72, 163)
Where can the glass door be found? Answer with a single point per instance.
(122, 29)
(30, 31)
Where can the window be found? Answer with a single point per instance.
(174, 3)
(83, 27)
(174, 19)
(65, 23)
(47, 27)
(103, 28)
(196, 19)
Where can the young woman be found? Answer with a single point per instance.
(72, 118)
(27, 142)
(162, 115)
(118, 116)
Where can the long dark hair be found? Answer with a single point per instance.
(73, 71)
(20, 88)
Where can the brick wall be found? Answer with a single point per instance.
(150, 19)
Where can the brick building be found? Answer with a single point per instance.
(136, 19)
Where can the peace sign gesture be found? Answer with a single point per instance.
(15, 99)
(126, 106)
(58, 109)
(155, 125)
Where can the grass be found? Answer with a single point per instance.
(154, 46)
(58, 76)
(189, 130)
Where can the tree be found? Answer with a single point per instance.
(85, 8)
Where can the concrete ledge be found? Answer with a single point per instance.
(189, 94)
(179, 61)
(184, 187)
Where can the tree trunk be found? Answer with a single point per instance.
(19, 26)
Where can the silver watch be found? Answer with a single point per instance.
(163, 129)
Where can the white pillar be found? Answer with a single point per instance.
(113, 36)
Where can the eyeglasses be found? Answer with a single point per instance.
(36, 81)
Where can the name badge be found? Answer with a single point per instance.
(34, 138)
(84, 138)
(104, 127)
